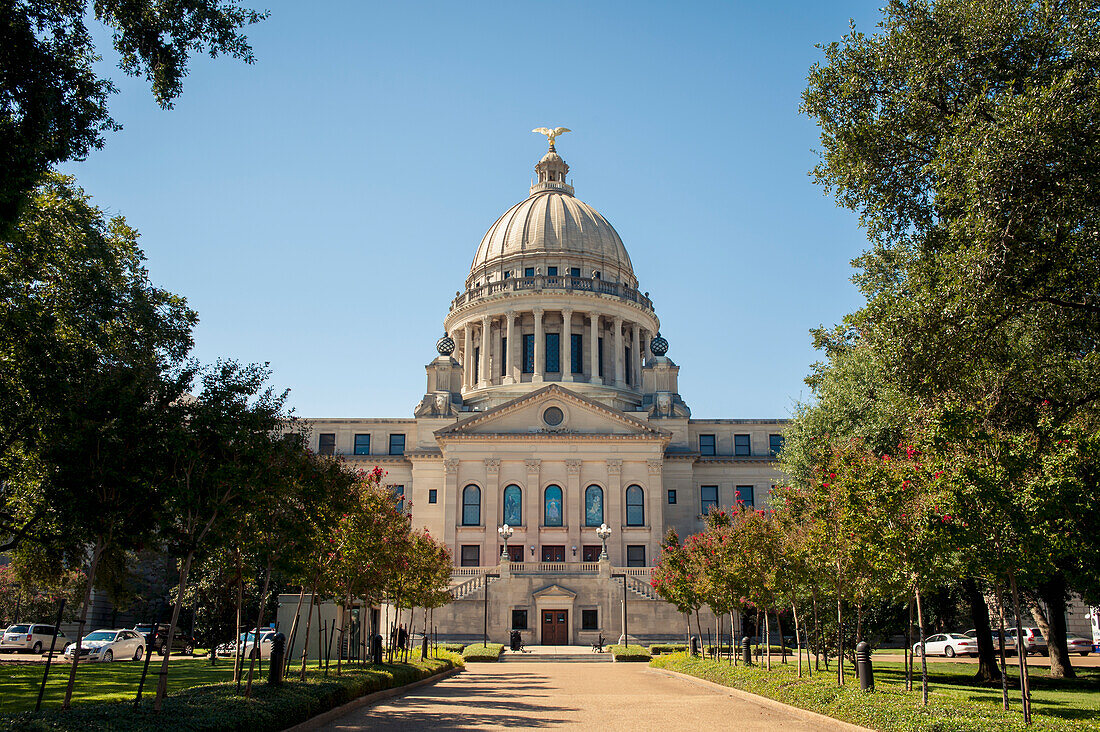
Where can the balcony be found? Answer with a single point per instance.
(541, 283)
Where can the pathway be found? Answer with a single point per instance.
(620, 696)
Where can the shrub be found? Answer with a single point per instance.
(659, 648)
(456, 659)
(453, 647)
(629, 653)
(480, 652)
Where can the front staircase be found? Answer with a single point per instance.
(556, 654)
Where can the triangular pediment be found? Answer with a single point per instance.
(553, 592)
(533, 416)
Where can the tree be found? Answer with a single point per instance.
(672, 577)
(54, 104)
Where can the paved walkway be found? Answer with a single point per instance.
(620, 696)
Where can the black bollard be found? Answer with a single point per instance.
(863, 667)
(695, 645)
(746, 651)
(275, 667)
(376, 649)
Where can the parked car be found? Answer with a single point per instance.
(948, 644)
(107, 645)
(1034, 642)
(1078, 644)
(1010, 641)
(181, 641)
(248, 644)
(32, 638)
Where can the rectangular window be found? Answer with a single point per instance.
(551, 271)
(399, 491)
(326, 443)
(577, 353)
(599, 358)
(528, 271)
(672, 496)
(746, 495)
(515, 552)
(741, 445)
(553, 553)
(775, 444)
(708, 498)
(433, 495)
(574, 271)
(471, 555)
(635, 555)
(362, 444)
(519, 620)
(553, 353)
(397, 444)
(707, 445)
(590, 553)
(477, 364)
(590, 620)
(627, 362)
(503, 356)
(528, 354)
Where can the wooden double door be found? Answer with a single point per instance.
(555, 627)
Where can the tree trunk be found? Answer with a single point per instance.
(1001, 644)
(979, 615)
(293, 631)
(733, 652)
(782, 643)
(923, 650)
(1053, 592)
(309, 622)
(1021, 650)
(237, 666)
(767, 640)
(93, 565)
(162, 682)
(687, 629)
(797, 638)
(698, 626)
(909, 649)
(817, 635)
(839, 640)
(255, 656)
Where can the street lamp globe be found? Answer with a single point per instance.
(505, 534)
(604, 531)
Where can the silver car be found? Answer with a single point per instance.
(108, 645)
(1010, 641)
(31, 638)
(1078, 644)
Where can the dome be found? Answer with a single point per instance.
(555, 225)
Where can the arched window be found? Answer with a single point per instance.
(552, 513)
(635, 506)
(471, 506)
(593, 506)
(513, 506)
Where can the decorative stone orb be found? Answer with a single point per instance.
(445, 345)
(658, 346)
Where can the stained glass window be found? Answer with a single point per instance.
(552, 513)
(593, 506)
(513, 506)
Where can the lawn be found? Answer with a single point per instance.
(956, 703)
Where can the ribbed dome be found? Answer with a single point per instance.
(554, 223)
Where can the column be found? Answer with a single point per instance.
(540, 347)
(635, 358)
(620, 367)
(483, 362)
(646, 338)
(509, 358)
(594, 348)
(567, 345)
(497, 355)
(467, 356)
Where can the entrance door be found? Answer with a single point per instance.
(555, 627)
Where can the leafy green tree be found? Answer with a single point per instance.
(54, 104)
(672, 577)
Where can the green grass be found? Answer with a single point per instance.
(629, 652)
(217, 707)
(956, 702)
(483, 652)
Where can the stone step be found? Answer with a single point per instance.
(578, 657)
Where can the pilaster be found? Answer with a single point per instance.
(450, 502)
(575, 519)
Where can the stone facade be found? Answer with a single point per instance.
(553, 407)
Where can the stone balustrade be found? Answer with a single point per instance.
(552, 282)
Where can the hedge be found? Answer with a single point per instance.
(453, 647)
(218, 708)
(659, 648)
(629, 653)
(480, 652)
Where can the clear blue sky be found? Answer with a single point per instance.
(320, 208)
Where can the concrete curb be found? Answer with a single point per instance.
(325, 717)
(821, 721)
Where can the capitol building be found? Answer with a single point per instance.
(552, 407)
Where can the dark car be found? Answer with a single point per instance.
(182, 642)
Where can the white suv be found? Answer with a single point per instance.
(32, 638)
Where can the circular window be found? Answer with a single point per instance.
(553, 416)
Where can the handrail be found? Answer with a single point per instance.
(552, 282)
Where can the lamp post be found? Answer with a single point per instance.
(505, 534)
(603, 532)
(625, 639)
